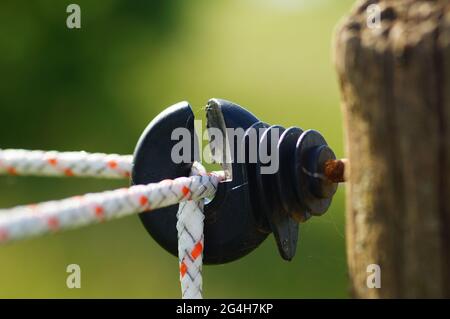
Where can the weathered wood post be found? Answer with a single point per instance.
(395, 87)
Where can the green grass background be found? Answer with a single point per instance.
(95, 89)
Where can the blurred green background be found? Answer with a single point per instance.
(96, 88)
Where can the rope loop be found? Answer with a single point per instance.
(33, 220)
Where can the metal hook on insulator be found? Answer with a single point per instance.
(252, 203)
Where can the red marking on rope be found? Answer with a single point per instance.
(197, 250)
(53, 223)
(68, 172)
(3, 235)
(99, 212)
(183, 269)
(52, 161)
(12, 171)
(185, 191)
(112, 164)
(143, 200)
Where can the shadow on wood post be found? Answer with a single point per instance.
(395, 86)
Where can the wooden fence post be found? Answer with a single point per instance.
(395, 86)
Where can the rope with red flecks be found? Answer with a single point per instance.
(52, 163)
(190, 242)
(48, 217)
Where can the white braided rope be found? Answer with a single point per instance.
(37, 219)
(32, 220)
(190, 242)
(52, 163)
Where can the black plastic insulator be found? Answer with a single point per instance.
(297, 189)
(255, 201)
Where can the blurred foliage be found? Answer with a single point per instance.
(96, 88)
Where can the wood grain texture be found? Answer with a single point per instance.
(395, 88)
